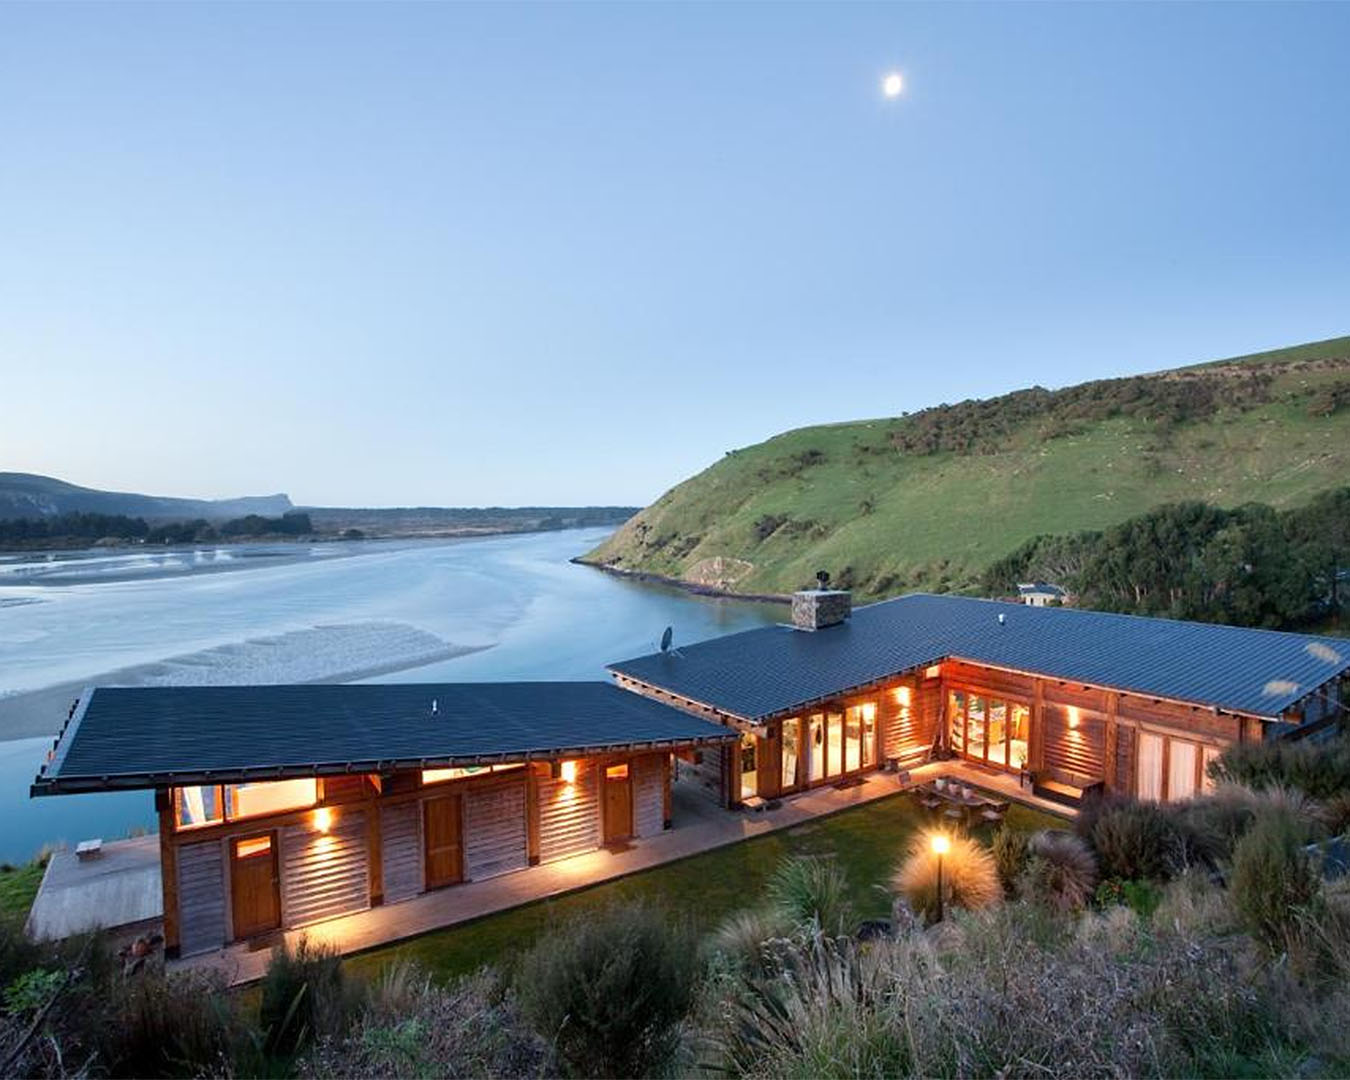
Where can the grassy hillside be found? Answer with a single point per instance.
(929, 500)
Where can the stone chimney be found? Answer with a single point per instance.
(815, 609)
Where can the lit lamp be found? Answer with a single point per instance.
(323, 819)
(566, 771)
(941, 845)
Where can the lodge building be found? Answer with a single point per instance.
(283, 806)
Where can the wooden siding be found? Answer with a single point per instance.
(201, 897)
(494, 828)
(569, 814)
(401, 840)
(1122, 779)
(324, 874)
(649, 816)
(1074, 740)
(342, 789)
(910, 739)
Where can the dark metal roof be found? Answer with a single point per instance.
(143, 737)
(773, 670)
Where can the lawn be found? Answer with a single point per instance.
(866, 842)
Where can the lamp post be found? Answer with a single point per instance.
(940, 846)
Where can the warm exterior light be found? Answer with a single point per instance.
(932, 672)
(941, 845)
(323, 819)
(1073, 718)
(569, 772)
(902, 695)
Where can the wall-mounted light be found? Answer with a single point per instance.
(568, 772)
(902, 695)
(933, 672)
(1073, 717)
(323, 819)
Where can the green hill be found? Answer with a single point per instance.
(932, 499)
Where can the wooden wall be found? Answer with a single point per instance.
(569, 814)
(324, 874)
(495, 831)
(401, 850)
(649, 800)
(201, 895)
(707, 776)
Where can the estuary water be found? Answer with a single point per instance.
(508, 607)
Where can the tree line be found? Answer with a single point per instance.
(1249, 566)
(64, 528)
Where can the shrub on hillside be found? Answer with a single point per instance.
(807, 890)
(969, 876)
(1319, 770)
(1274, 880)
(1138, 840)
(413, 1027)
(304, 996)
(1061, 873)
(609, 990)
(1213, 824)
(1011, 849)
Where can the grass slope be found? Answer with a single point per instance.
(842, 497)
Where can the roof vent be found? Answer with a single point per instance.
(815, 609)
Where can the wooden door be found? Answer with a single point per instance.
(444, 841)
(618, 802)
(255, 894)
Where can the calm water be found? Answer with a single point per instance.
(533, 614)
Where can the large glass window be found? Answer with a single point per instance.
(749, 766)
(869, 734)
(437, 776)
(988, 729)
(834, 743)
(815, 750)
(1019, 728)
(956, 720)
(998, 732)
(1149, 785)
(792, 752)
(853, 739)
(212, 804)
(1181, 770)
(976, 719)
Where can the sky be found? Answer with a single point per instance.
(389, 254)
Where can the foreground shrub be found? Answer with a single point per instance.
(998, 996)
(304, 996)
(747, 941)
(1274, 881)
(1319, 770)
(1135, 840)
(1061, 873)
(609, 990)
(809, 891)
(1011, 849)
(1213, 824)
(165, 1025)
(969, 877)
(413, 1027)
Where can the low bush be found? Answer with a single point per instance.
(1319, 770)
(808, 891)
(609, 990)
(1137, 840)
(746, 941)
(304, 996)
(1213, 824)
(969, 876)
(1011, 849)
(1061, 873)
(413, 1027)
(1274, 882)
(157, 1025)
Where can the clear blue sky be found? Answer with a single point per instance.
(432, 253)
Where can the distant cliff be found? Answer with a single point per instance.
(25, 495)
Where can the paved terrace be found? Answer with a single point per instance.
(122, 886)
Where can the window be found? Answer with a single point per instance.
(270, 797)
(1187, 769)
(254, 845)
(439, 776)
(792, 751)
(1208, 755)
(617, 772)
(815, 750)
(213, 804)
(199, 806)
(869, 733)
(1150, 766)
(1181, 770)
(749, 766)
(989, 729)
(853, 739)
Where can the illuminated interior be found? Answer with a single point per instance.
(213, 804)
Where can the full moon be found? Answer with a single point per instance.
(892, 84)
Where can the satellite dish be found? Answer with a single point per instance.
(823, 578)
(666, 638)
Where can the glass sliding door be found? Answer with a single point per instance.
(977, 720)
(749, 766)
(1019, 735)
(792, 753)
(853, 739)
(998, 733)
(1182, 765)
(815, 748)
(834, 744)
(956, 721)
(1148, 784)
(869, 734)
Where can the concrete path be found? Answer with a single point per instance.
(699, 826)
